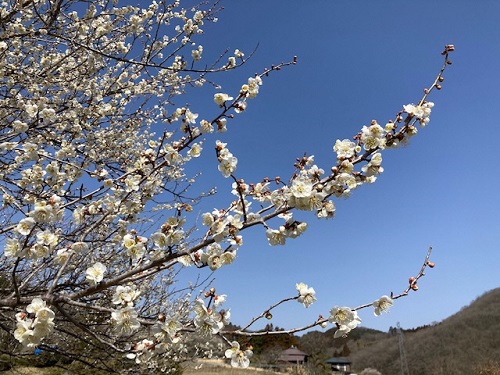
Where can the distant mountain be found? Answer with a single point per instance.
(462, 344)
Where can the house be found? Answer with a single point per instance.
(339, 365)
(293, 355)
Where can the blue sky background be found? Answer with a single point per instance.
(358, 61)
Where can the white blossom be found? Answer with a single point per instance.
(344, 149)
(125, 295)
(167, 329)
(207, 322)
(25, 225)
(12, 248)
(30, 332)
(345, 318)
(125, 320)
(384, 303)
(306, 294)
(221, 98)
(275, 237)
(95, 274)
(239, 358)
(301, 187)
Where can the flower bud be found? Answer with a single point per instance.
(269, 315)
(431, 264)
(412, 280)
(414, 286)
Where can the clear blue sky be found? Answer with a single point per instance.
(358, 61)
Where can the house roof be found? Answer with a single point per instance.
(292, 355)
(338, 361)
(294, 351)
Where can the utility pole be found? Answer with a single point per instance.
(402, 352)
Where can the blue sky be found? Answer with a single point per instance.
(358, 61)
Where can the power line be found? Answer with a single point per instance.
(402, 352)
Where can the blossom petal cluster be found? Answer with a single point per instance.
(166, 329)
(171, 233)
(227, 161)
(290, 229)
(135, 245)
(125, 295)
(95, 273)
(251, 88)
(345, 319)
(125, 320)
(222, 227)
(209, 321)
(306, 294)
(239, 358)
(421, 112)
(215, 257)
(35, 324)
(383, 304)
(373, 136)
(221, 98)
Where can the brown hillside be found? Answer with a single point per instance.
(459, 345)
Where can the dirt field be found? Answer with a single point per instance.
(228, 371)
(190, 371)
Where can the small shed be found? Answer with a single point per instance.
(293, 355)
(339, 364)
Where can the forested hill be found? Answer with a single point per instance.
(464, 343)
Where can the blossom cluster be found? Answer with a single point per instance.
(168, 338)
(34, 324)
(238, 357)
(383, 304)
(171, 233)
(345, 319)
(421, 111)
(125, 295)
(165, 341)
(306, 294)
(227, 161)
(125, 320)
(223, 225)
(135, 245)
(95, 273)
(291, 228)
(310, 188)
(208, 321)
(43, 213)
